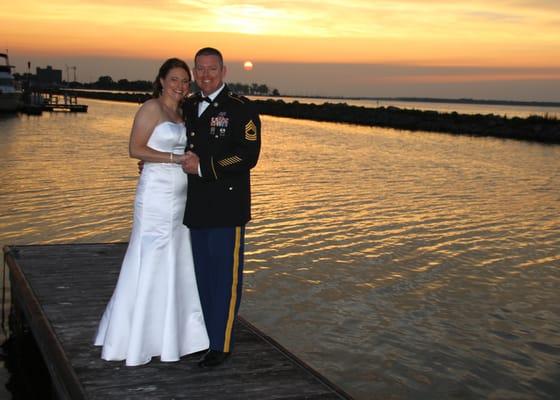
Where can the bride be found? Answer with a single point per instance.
(155, 309)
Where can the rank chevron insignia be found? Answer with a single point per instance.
(250, 131)
(229, 161)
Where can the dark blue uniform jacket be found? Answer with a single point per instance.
(227, 139)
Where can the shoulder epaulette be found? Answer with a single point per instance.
(237, 97)
(192, 97)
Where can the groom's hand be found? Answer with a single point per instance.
(140, 166)
(190, 163)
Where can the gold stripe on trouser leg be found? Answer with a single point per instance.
(233, 299)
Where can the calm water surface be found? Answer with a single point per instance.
(400, 265)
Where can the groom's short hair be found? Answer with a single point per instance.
(209, 51)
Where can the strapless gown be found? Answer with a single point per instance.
(155, 309)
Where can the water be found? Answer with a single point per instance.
(400, 265)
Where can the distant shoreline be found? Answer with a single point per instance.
(437, 100)
(533, 128)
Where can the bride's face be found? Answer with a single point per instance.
(175, 84)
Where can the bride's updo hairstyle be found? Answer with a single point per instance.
(167, 66)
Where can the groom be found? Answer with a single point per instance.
(223, 132)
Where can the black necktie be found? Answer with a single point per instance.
(207, 99)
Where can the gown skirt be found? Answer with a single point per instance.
(155, 308)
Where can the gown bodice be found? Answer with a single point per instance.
(169, 136)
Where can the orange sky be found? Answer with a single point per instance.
(522, 36)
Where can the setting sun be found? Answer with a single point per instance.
(416, 42)
(248, 66)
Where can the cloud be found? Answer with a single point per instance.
(431, 33)
(495, 17)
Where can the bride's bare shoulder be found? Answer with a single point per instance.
(150, 109)
(148, 115)
(150, 105)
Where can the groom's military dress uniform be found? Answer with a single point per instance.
(226, 137)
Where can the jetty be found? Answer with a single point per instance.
(543, 129)
(58, 295)
(35, 103)
(535, 128)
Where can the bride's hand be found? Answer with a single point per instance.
(179, 158)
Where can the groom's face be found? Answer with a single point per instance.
(209, 73)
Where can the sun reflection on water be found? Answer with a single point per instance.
(411, 265)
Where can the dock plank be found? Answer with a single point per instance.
(63, 290)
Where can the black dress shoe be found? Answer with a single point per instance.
(197, 354)
(212, 358)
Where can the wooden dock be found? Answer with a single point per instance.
(37, 102)
(62, 291)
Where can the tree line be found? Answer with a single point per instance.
(107, 83)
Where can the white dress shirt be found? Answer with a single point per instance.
(202, 107)
(204, 104)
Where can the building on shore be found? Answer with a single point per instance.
(44, 78)
(48, 77)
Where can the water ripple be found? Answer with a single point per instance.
(409, 265)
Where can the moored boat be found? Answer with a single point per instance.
(10, 96)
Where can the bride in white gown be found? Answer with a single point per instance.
(155, 309)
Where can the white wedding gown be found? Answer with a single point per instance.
(155, 309)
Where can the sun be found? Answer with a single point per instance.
(247, 65)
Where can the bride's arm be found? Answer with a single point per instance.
(146, 119)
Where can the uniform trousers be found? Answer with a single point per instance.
(218, 263)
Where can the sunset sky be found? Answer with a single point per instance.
(499, 49)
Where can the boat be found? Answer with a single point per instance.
(10, 95)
